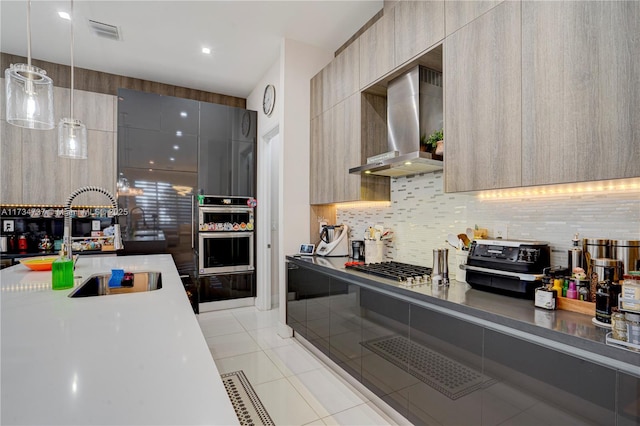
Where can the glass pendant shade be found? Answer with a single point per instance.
(29, 97)
(72, 139)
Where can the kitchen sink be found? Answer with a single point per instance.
(133, 282)
(145, 241)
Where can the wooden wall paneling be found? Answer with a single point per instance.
(483, 102)
(418, 26)
(581, 92)
(100, 82)
(327, 211)
(377, 50)
(374, 141)
(10, 163)
(459, 13)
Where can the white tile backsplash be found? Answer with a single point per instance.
(421, 215)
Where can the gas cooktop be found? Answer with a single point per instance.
(401, 272)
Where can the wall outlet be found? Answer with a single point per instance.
(322, 223)
(500, 231)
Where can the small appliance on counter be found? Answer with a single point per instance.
(509, 267)
(334, 241)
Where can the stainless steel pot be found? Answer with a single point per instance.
(598, 265)
(628, 252)
(594, 248)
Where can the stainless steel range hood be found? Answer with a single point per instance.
(414, 108)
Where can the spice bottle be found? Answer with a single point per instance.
(618, 325)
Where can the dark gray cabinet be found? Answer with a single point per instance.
(226, 157)
(435, 368)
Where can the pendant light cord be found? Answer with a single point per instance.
(29, 33)
(72, 17)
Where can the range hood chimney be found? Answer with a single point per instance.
(414, 109)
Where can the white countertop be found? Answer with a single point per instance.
(129, 359)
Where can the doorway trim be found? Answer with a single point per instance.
(263, 231)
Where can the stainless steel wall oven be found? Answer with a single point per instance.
(225, 235)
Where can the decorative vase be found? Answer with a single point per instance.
(439, 148)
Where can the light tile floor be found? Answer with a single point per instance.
(295, 387)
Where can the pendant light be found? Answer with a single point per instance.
(72, 133)
(29, 92)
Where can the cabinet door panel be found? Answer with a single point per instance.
(45, 181)
(446, 356)
(530, 375)
(316, 289)
(10, 163)
(483, 102)
(98, 170)
(385, 334)
(296, 302)
(316, 95)
(377, 50)
(346, 69)
(346, 327)
(418, 26)
(458, 13)
(581, 109)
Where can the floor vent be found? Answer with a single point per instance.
(443, 374)
(104, 30)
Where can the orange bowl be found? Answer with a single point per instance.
(39, 263)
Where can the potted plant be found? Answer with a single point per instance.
(436, 143)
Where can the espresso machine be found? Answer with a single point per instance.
(334, 241)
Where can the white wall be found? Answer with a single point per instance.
(290, 75)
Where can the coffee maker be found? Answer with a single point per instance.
(334, 241)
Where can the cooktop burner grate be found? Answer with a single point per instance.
(401, 272)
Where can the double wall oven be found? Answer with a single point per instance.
(226, 234)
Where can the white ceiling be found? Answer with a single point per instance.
(162, 40)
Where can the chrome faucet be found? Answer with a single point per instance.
(117, 238)
(131, 229)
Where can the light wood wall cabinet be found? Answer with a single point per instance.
(581, 91)
(377, 48)
(335, 146)
(32, 172)
(459, 13)
(338, 80)
(483, 102)
(418, 26)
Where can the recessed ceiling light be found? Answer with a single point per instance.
(183, 113)
(176, 147)
(64, 15)
(172, 159)
(179, 133)
(206, 50)
(152, 162)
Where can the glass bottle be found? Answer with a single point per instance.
(62, 272)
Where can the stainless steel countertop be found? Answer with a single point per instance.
(565, 331)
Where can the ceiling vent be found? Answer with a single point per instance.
(104, 30)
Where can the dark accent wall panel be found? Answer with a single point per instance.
(101, 82)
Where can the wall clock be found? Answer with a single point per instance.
(269, 99)
(246, 124)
